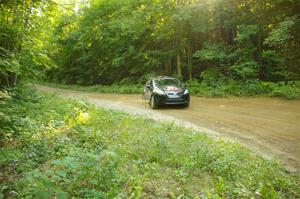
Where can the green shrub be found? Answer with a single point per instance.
(115, 88)
(244, 70)
(290, 90)
(64, 148)
(207, 88)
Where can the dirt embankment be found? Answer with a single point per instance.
(268, 126)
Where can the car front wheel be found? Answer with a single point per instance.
(152, 102)
(187, 104)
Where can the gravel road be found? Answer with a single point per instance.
(267, 126)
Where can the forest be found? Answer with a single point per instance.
(104, 42)
(53, 147)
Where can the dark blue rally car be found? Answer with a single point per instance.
(165, 90)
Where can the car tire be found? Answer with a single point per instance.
(187, 105)
(153, 103)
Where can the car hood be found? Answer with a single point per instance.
(175, 89)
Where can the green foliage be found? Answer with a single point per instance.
(114, 40)
(281, 33)
(244, 70)
(8, 62)
(273, 66)
(211, 52)
(115, 88)
(290, 90)
(282, 53)
(93, 42)
(210, 86)
(245, 33)
(23, 37)
(4, 95)
(77, 150)
(211, 75)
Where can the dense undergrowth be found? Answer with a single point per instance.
(115, 88)
(54, 147)
(289, 90)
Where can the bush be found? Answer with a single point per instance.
(127, 81)
(115, 88)
(212, 75)
(244, 70)
(194, 86)
(207, 88)
(290, 90)
(77, 150)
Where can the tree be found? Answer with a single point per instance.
(104, 42)
(22, 51)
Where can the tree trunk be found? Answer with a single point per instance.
(259, 55)
(259, 48)
(178, 63)
(178, 57)
(168, 66)
(27, 14)
(190, 59)
(15, 79)
(7, 81)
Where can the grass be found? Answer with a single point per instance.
(115, 88)
(290, 90)
(54, 147)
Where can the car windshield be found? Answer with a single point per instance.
(167, 82)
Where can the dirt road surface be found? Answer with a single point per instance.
(267, 126)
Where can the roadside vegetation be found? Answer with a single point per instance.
(290, 90)
(75, 149)
(115, 88)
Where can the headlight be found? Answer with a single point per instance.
(186, 91)
(157, 91)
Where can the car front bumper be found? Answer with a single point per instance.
(166, 100)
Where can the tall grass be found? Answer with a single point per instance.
(288, 90)
(53, 147)
(115, 88)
